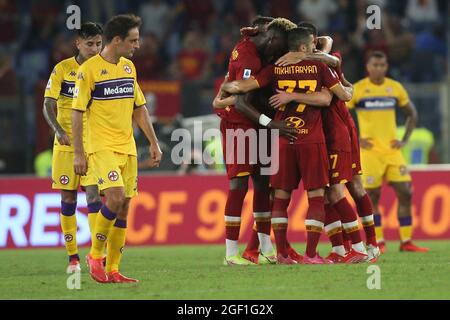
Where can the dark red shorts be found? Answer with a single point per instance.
(340, 166)
(239, 152)
(356, 157)
(301, 162)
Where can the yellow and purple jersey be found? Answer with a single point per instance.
(108, 93)
(375, 107)
(60, 87)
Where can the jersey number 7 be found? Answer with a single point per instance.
(290, 85)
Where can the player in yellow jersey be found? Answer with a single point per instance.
(375, 99)
(107, 90)
(58, 113)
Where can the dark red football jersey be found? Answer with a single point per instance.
(342, 108)
(335, 121)
(306, 76)
(244, 63)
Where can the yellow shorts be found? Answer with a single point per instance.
(378, 166)
(114, 169)
(63, 174)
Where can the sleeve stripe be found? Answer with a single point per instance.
(334, 85)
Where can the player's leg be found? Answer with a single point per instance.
(69, 228)
(94, 203)
(374, 195)
(403, 191)
(398, 177)
(350, 223)
(364, 208)
(238, 187)
(65, 179)
(116, 244)
(262, 214)
(283, 182)
(280, 224)
(314, 223)
(375, 166)
(314, 168)
(117, 235)
(357, 191)
(106, 218)
(333, 228)
(366, 213)
(107, 166)
(340, 173)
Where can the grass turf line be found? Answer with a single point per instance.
(196, 272)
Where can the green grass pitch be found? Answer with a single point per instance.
(196, 272)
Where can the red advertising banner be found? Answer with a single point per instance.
(189, 210)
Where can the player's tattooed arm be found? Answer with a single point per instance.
(49, 111)
(244, 106)
(142, 118)
(318, 99)
(412, 117)
(79, 161)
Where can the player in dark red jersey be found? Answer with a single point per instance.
(308, 151)
(276, 47)
(245, 63)
(347, 167)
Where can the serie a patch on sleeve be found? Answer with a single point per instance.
(247, 74)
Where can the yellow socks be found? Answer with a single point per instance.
(378, 227)
(116, 242)
(93, 209)
(103, 225)
(69, 227)
(405, 228)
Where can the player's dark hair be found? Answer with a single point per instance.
(310, 26)
(89, 30)
(261, 21)
(297, 37)
(119, 26)
(376, 54)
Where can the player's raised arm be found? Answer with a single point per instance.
(325, 44)
(142, 118)
(318, 99)
(296, 57)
